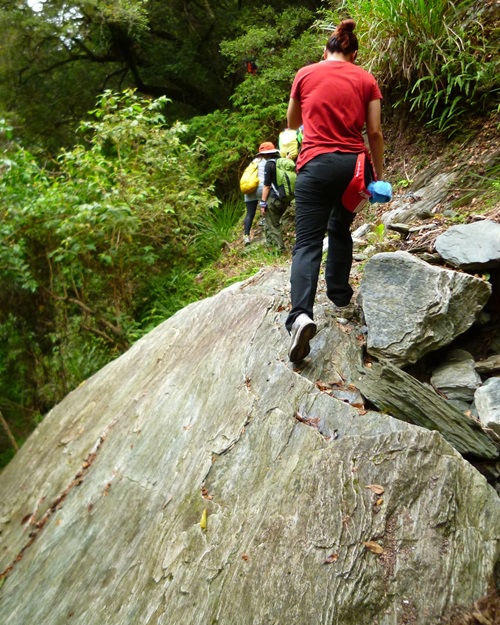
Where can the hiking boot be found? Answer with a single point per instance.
(303, 330)
(246, 239)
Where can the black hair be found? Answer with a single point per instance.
(343, 39)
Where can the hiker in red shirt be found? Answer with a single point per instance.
(334, 100)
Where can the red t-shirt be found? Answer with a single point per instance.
(334, 97)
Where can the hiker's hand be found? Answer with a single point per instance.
(263, 207)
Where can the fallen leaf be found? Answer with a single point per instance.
(311, 421)
(373, 547)
(322, 386)
(376, 488)
(379, 502)
(203, 520)
(332, 558)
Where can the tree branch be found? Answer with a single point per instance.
(8, 431)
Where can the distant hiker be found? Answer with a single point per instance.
(252, 185)
(251, 68)
(279, 186)
(333, 99)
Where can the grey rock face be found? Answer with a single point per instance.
(456, 377)
(398, 393)
(104, 501)
(412, 308)
(317, 511)
(471, 247)
(419, 205)
(489, 365)
(487, 402)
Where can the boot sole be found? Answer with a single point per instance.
(300, 347)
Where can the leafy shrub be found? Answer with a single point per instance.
(79, 247)
(259, 102)
(437, 57)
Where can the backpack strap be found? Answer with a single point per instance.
(274, 183)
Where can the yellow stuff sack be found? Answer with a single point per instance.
(249, 181)
(288, 144)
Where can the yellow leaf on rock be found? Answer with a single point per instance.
(373, 547)
(203, 521)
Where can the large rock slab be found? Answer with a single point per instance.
(100, 512)
(412, 308)
(395, 391)
(472, 247)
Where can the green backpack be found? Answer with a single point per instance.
(285, 179)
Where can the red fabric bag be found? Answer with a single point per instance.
(357, 195)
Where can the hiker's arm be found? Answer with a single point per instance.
(294, 114)
(375, 137)
(263, 202)
(266, 189)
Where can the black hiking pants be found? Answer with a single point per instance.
(318, 192)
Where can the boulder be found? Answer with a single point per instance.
(420, 203)
(487, 403)
(471, 247)
(488, 365)
(199, 478)
(396, 392)
(412, 308)
(456, 376)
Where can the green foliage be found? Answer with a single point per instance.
(260, 101)
(79, 247)
(377, 234)
(232, 138)
(125, 228)
(438, 58)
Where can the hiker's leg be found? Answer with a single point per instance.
(272, 227)
(339, 257)
(249, 217)
(312, 208)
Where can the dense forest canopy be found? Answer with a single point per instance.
(58, 56)
(124, 126)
